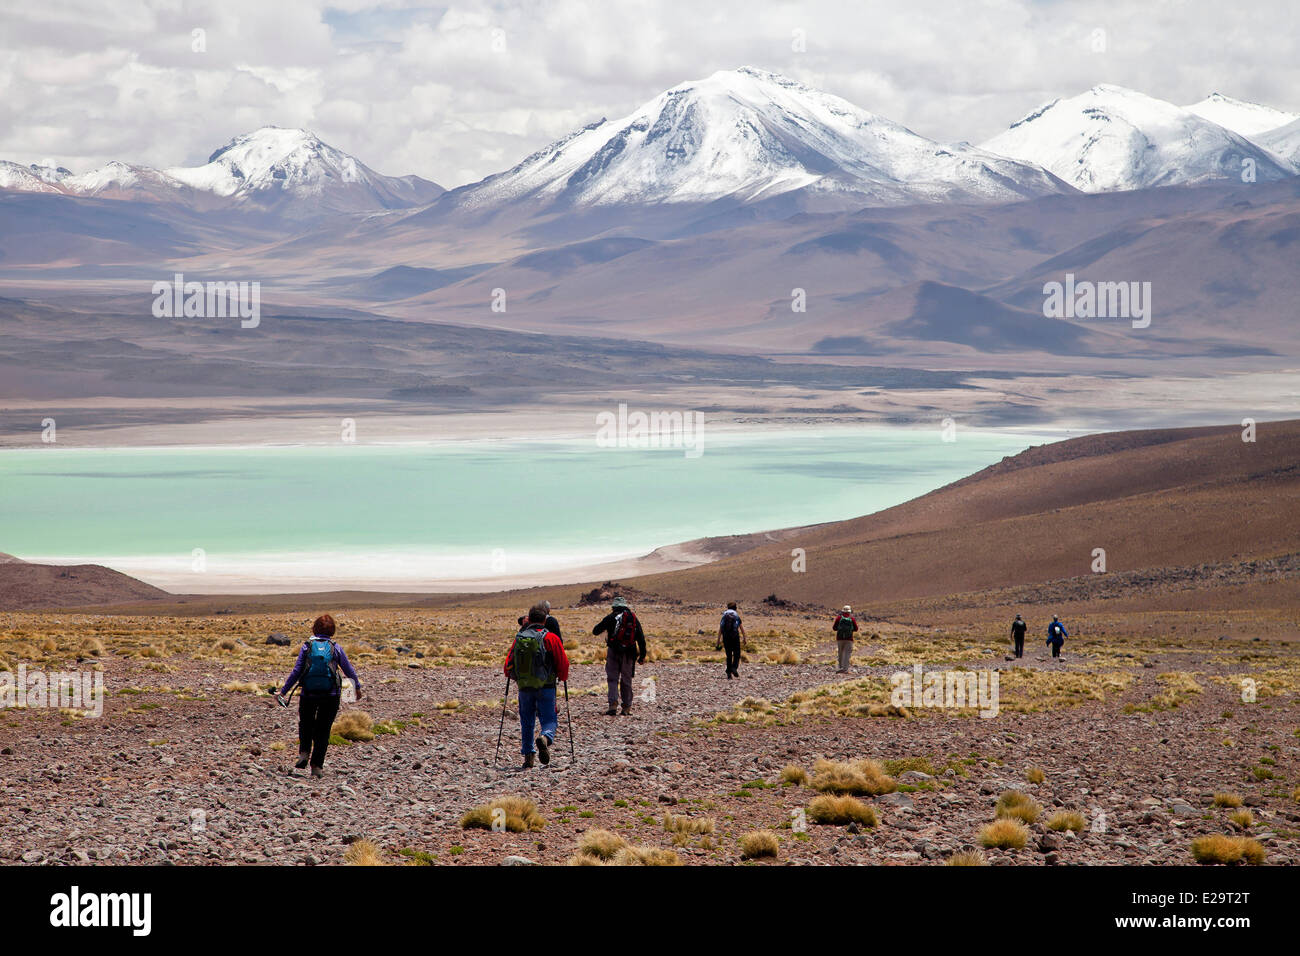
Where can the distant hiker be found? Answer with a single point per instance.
(1056, 636)
(552, 624)
(731, 635)
(535, 661)
(317, 670)
(845, 626)
(626, 648)
(1018, 629)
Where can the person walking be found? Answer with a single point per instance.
(731, 636)
(552, 624)
(535, 662)
(845, 626)
(1056, 635)
(625, 648)
(317, 670)
(1018, 628)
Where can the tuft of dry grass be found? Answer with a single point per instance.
(967, 858)
(784, 655)
(1067, 820)
(1218, 848)
(1005, 833)
(792, 774)
(758, 844)
(645, 856)
(1035, 775)
(1014, 805)
(364, 853)
(1242, 818)
(242, 687)
(515, 814)
(841, 810)
(857, 777)
(1229, 800)
(91, 647)
(227, 644)
(601, 844)
(682, 824)
(354, 725)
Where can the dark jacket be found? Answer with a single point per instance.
(606, 627)
(300, 668)
(1018, 629)
(553, 626)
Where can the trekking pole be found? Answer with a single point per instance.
(502, 729)
(569, 716)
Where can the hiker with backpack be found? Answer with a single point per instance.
(1018, 628)
(625, 643)
(552, 624)
(535, 662)
(1056, 635)
(731, 635)
(845, 626)
(317, 671)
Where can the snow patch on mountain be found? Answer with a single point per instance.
(1243, 118)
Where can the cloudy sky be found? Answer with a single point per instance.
(459, 91)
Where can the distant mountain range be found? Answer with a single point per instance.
(288, 171)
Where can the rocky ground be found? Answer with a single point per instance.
(190, 762)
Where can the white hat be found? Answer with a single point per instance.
(847, 609)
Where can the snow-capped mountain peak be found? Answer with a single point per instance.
(1245, 119)
(745, 135)
(1114, 138)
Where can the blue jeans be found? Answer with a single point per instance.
(537, 705)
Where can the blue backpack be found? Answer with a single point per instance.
(322, 675)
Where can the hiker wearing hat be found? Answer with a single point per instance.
(552, 624)
(1056, 635)
(844, 626)
(1018, 628)
(625, 648)
(731, 635)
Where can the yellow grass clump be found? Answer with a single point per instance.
(758, 844)
(967, 858)
(1014, 805)
(364, 853)
(792, 774)
(784, 655)
(354, 725)
(227, 644)
(1218, 848)
(645, 856)
(515, 814)
(682, 824)
(601, 844)
(857, 777)
(1229, 800)
(242, 687)
(1035, 775)
(1242, 818)
(841, 810)
(1006, 834)
(1067, 820)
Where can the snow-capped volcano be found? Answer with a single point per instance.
(271, 163)
(1283, 141)
(749, 135)
(1245, 119)
(289, 170)
(1112, 138)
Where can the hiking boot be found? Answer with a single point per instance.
(302, 761)
(317, 772)
(544, 750)
(528, 762)
(611, 712)
(626, 712)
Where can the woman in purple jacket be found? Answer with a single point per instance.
(317, 669)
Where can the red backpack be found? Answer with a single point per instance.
(623, 633)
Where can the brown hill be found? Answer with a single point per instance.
(27, 587)
(1160, 499)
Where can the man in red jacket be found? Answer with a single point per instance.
(535, 661)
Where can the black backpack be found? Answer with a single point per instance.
(623, 632)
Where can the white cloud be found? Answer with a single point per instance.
(459, 91)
